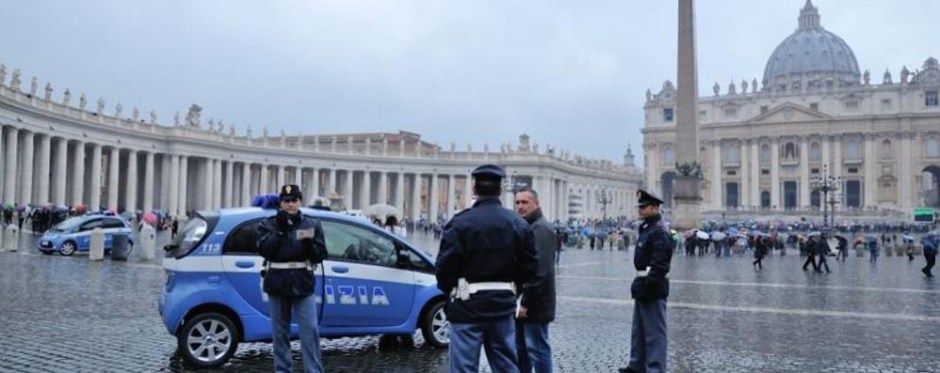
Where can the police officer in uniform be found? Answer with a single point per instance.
(487, 252)
(292, 245)
(650, 288)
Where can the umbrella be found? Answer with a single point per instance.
(718, 236)
(688, 233)
(150, 218)
(907, 237)
(20, 208)
(381, 210)
(701, 235)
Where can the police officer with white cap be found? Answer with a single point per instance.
(487, 252)
(650, 288)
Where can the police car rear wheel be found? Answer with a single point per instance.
(208, 340)
(68, 248)
(435, 328)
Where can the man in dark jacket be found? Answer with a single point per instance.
(650, 289)
(292, 245)
(486, 253)
(537, 307)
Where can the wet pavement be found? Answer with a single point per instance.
(68, 314)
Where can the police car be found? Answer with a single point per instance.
(74, 234)
(371, 283)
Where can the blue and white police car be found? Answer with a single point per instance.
(74, 234)
(371, 283)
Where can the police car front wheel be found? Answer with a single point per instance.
(208, 340)
(434, 326)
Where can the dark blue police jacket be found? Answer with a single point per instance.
(654, 250)
(277, 247)
(485, 243)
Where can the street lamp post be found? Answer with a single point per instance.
(604, 197)
(826, 184)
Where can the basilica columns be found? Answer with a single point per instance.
(716, 175)
(755, 173)
(775, 174)
(804, 173)
(871, 172)
(744, 190)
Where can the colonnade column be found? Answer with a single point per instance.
(280, 177)
(59, 179)
(45, 147)
(383, 188)
(450, 195)
(400, 191)
(774, 174)
(78, 173)
(113, 163)
(208, 173)
(316, 181)
(94, 202)
(299, 177)
(263, 187)
(148, 182)
(217, 192)
(468, 190)
(230, 184)
(330, 184)
(246, 184)
(183, 186)
(416, 198)
(348, 190)
(367, 188)
(432, 193)
(9, 177)
(27, 174)
(172, 204)
(131, 189)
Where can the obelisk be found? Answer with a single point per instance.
(687, 192)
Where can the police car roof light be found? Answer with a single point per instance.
(266, 201)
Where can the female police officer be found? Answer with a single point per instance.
(291, 245)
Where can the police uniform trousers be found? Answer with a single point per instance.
(496, 337)
(648, 337)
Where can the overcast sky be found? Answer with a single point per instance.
(569, 73)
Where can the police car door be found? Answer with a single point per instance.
(364, 288)
(242, 265)
(83, 236)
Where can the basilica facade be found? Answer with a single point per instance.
(69, 151)
(764, 146)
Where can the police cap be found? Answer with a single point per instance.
(645, 198)
(490, 171)
(291, 191)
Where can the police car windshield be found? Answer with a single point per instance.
(68, 224)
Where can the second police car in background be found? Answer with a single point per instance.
(74, 234)
(372, 283)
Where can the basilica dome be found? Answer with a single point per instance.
(812, 57)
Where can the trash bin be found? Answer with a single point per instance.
(120, 247)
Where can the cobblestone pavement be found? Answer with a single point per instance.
(71, 315)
